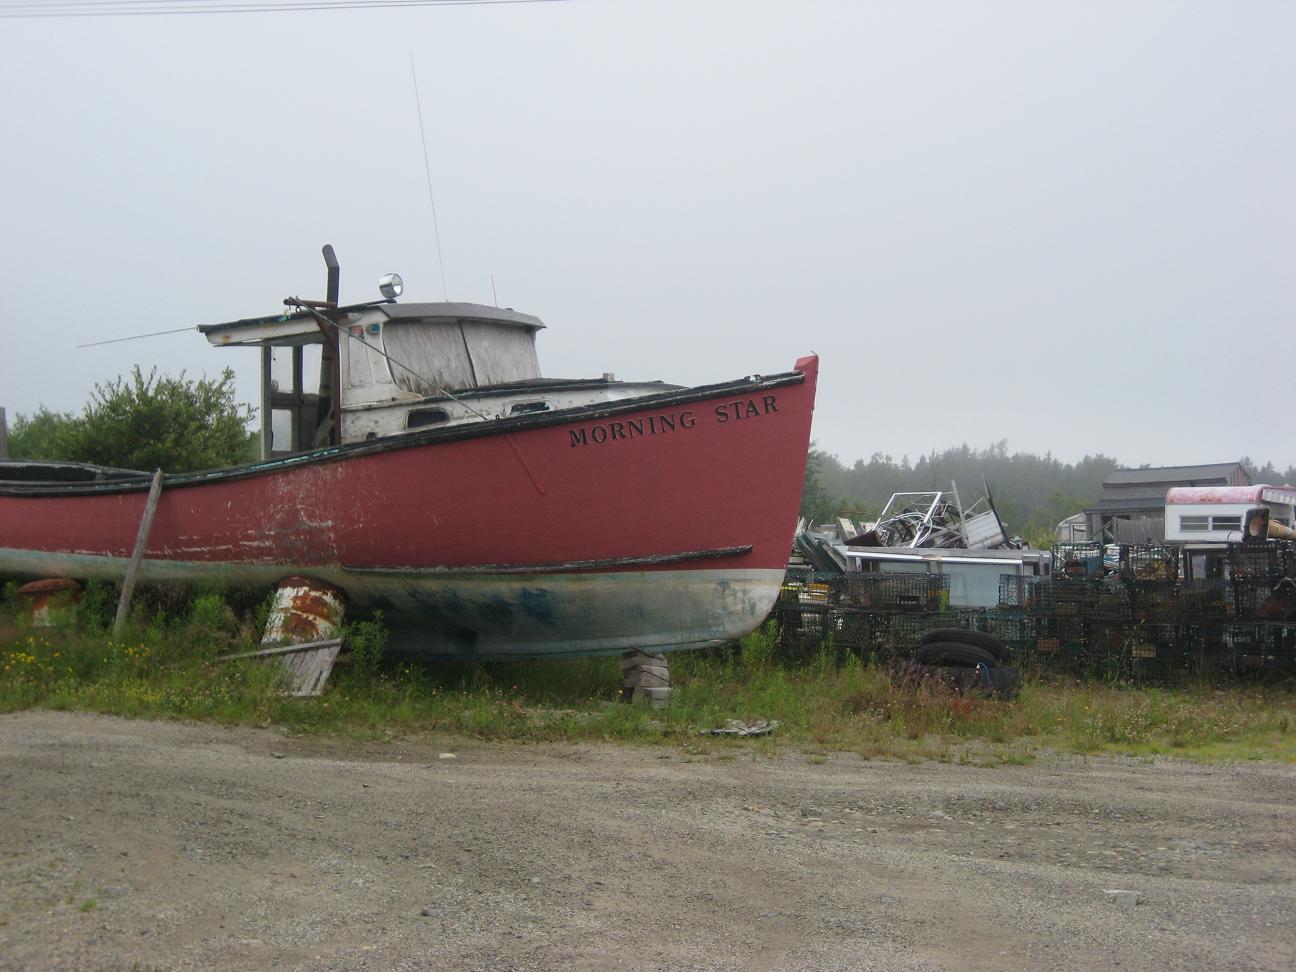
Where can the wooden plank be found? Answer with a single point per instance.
(267, 415)
(307, 665)
(283, 650)
(296, 444)
(309, 670)
(141, 544)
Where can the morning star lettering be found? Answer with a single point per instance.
(652, 425)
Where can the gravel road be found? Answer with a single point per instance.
(142, 845)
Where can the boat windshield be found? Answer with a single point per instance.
(458, 353)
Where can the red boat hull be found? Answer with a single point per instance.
(657, 523)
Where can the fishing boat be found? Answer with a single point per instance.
(433, 474)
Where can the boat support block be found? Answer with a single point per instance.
(645, 678)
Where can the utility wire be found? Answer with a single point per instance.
(143, 8)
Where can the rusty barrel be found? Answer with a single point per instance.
(49, 603)
(305, 609)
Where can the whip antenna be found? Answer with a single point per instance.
(427, 169)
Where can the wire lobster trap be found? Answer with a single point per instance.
(1150, 562)
(1015, 630)
(801, 624)
(902, 632)
(1205, 601)
(1016, 592)
(1154, 602)
(894, 592)
(1078, 559)
(858, 630)
(1065, 597)
(1265, 600)
(1257, 561)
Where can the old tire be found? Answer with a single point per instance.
(965, 636)
(953, 654)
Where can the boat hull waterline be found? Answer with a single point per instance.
(655, 524)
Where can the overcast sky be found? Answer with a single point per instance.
(1067, 225)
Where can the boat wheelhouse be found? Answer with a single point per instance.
(396, 368)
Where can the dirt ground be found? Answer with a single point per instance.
(146, 845)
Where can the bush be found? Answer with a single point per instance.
(145, 423)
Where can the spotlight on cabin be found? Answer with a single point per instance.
(391, 286)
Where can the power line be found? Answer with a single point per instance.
(144, 8)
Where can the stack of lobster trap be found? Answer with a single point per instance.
(1103, 613)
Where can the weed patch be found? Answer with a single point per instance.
(827, 699)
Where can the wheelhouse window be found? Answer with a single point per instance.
(529, 408)
(1194, 524)
(1226, 523)
(419, 418)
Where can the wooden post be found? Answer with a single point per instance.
(295, 438)
(141, 543)
(267, 412)
(4, 436)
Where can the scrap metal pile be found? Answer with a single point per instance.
(1125, 617)
(935, 519)
(925, 520)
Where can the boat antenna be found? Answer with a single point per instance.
(427, 169)
(494, 292)
(136, 337)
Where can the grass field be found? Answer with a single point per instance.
(827, 700)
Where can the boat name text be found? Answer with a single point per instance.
(683, 421)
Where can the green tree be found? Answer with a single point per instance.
(41, 435)
(816, 505)
(1044, 518)
(153, 422)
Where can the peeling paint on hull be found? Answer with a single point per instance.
(576, 533)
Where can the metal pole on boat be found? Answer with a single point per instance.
(4, 436)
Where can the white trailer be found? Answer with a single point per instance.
(1216, 514)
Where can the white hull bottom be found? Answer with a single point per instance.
(467, 615)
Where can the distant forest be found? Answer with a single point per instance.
(1032, 493)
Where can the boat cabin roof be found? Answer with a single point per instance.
(300, 327)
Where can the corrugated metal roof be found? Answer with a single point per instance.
(1177, 475)
(1136, 503)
